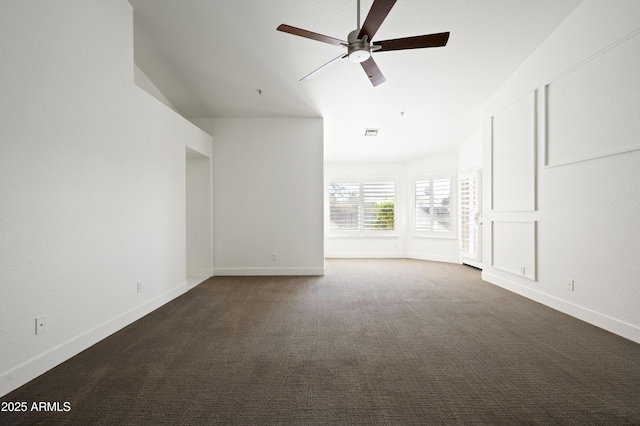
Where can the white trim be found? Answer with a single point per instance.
(236, 272)
(29, 370)
(194, 281)
(367, 235)
(545, 108)
(438, 237)
(366, 255)
(514, 272)
(543, 131)
(534, 229)
(434, 257)
(393, 255)
(200, 273)
(532, 204)
(477, 168)
(621, 328)
(595, 55)
(594, 157)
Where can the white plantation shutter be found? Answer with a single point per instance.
(378, 205)
(433, 206)
(442, 205)
(423, 205)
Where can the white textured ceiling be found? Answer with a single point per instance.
(210, 58)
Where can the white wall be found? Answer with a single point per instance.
(92, 183)
(370, 247)
(471, 152)
(268, 196)
(583, 221)
(145, 83)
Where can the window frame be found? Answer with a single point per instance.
(453, 206)
(361, 232)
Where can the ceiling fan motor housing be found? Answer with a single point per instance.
(359, 50)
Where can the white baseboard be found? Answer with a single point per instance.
(392, 255)
(34, 367)
(434, 257)
(267, 271)
(199, 273)
(365, 255)
(621, 328)
(194, 281)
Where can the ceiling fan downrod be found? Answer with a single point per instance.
(358, 50)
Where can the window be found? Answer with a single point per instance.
(361, 207)
(344, 206)
(434, 208)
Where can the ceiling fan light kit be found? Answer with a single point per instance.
(360, 45)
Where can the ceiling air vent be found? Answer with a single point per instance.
(371, 132)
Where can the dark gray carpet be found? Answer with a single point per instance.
(373, 342)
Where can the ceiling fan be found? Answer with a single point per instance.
(360, 44)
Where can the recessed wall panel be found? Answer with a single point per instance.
(593, 110)
(514, 248)
(513, 156)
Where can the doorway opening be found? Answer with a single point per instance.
(199, 244)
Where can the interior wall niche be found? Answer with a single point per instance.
(586, 120)
(513, 156)
(514, 247)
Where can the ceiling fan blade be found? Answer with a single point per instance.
(308, 34)
(373, 72)
(379, 11)
(417, 42)
(318, 71)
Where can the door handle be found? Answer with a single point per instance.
(477, 218)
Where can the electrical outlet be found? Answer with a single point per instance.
(522, 270)
(41, 324)
(139, 287)
(570, 285)
(274, 256)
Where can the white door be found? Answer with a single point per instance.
(471, 218)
